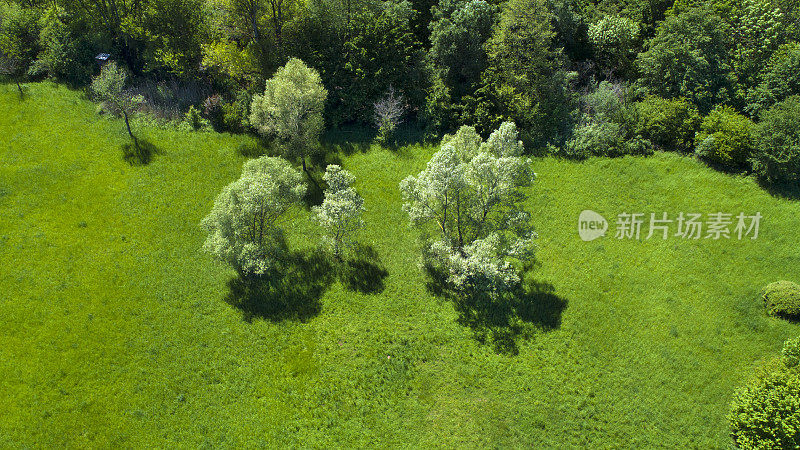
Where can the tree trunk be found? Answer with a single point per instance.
(130, 133)
(21, 93)
(308, 174)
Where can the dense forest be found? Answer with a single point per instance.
(578, 77)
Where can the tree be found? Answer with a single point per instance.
(689, 57)
(291, 109)
(616, 40)
(115, 18)
(380, 50)
(18, 41)
(457, 56)
(340, 212)
(472, 191)
(525, 81)
(725, 137)
(243, 226)
(109, 87)
(779, 79)
(760, 28)
(388, 113)
(12, 67)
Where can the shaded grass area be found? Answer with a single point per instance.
(116, 330)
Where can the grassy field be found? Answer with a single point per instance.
(116, 330)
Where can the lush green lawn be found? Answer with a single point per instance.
(115, 329)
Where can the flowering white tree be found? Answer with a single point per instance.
(471, 191)
(340, 212)
(243, 224)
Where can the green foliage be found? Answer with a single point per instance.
(760, 28)
(688, 57)
(172, 33)
(607, 127)
(790, 355)
(779, 79)
(109, 87)
(525, 83)
(725, 137)
(243, 226)
(471, 190)
(777, 155)
(194, 119)
(19, 35)
(340, 212)
(290, 108)
(380, 51)
(668, 124)
(456, 57)
(765, 413)
(67, 48)
(616, 40)
(782, 298)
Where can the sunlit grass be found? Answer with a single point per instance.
(115, 328)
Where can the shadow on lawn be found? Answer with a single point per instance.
(503, 320)
(363, 271)
(291, 289)
(140, 156)
(788, 191)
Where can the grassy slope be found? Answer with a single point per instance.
(114, 328)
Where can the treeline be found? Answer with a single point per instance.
(578, 77)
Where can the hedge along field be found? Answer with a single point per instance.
(116, 329)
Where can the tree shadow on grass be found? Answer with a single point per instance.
(363, 271)
(139, 156)
(252, 149)
(290, 290)
(500, 321)
(788, 191)
(348, 139)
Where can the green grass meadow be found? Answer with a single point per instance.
(116, 330)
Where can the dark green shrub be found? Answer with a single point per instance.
(782, 298)
(777, 154)
(668, 124)
(725, 137)
(765, 413)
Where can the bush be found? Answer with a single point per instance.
(595, 139)
(234, 114)
(606, 129)
(777, 155)
(765, 413)
(725, 137)
(782, 298)
(668, 124)
(212, 110)
(194, 119)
